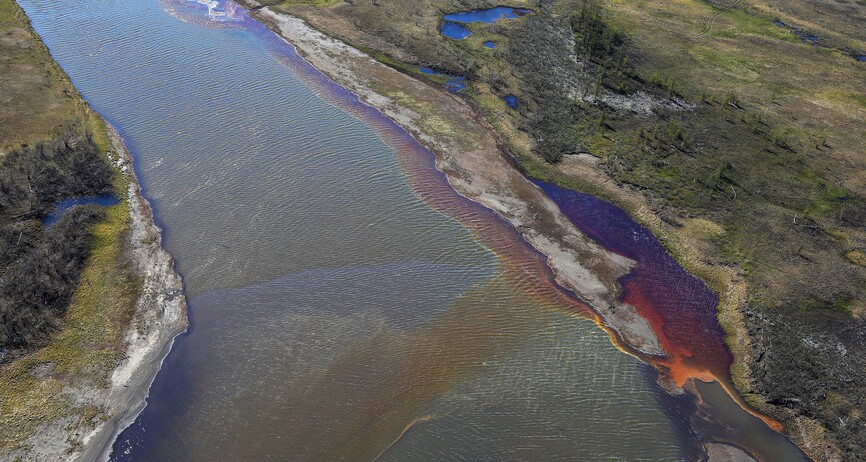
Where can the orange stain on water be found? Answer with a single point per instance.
(681, 364)
(692, 352)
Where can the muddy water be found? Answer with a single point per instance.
(344, 302)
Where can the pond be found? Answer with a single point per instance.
(805, 37)
(454, 84)
(511, 101)
(452, 26)
(63, 206)
(455, 31)
(336, 302)
(488, 15)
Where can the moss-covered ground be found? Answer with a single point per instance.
(37, 100)
(84, 351)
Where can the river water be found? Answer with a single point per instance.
(345, 303)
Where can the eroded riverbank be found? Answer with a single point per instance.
(159, 317)
(468, 152)
(781, 285)
(100, 409)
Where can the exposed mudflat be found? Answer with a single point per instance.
(717, 452)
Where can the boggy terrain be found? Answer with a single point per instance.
(732, 130)
(72, 366)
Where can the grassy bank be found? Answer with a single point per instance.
(37, 100)
(33, 389)
(737, 140)
(52, 146)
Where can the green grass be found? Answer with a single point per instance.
(86, 348)
(37, 100)
(856, 257)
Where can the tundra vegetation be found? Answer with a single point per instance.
(41, 266)
(67, 291)
(737, 140)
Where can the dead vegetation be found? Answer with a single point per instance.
(40, 266)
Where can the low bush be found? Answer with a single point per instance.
(39, 266)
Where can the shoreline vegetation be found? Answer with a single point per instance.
(75, 369)
(756, 164)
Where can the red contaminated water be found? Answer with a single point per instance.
(680, 307)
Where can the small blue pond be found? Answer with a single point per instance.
(453, 27)
(511, 101)
(490, 44)
(455, 31)
(63, 206)
(455, 83)
(488, 15)
(809, 38)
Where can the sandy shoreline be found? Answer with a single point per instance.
(484, 174)
(478, 167)
(470, 155)
(160, 316)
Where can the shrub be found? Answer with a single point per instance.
(40, 267)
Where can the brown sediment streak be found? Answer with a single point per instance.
(406, 429)
(433, 188)
(681, 367)
(731, 391)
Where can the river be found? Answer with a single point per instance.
(345, 303)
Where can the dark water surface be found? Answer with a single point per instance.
(487, 15)
(682, 311)
(455, 30)
(63, 206)
(804, 36)
(679, 306)
(452, 26)
(454, 84)
(344, 302)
